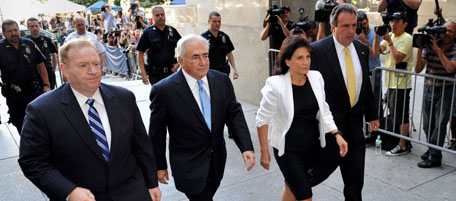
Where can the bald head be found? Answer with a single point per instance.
(79, 23)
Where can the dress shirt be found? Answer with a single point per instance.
(91, 36)
(356, 64)
(193, 84)
(99, 105)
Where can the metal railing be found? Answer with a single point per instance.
(421, 84)
(273, 53)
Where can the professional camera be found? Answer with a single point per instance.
(133, 5)
(40, 14)
(385, 27)
(301, 26)
(431, 28)
(114, 32)
(274, 12)
(136, 17)
(323, 10)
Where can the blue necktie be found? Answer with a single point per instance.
(205, 104)
(98, 130)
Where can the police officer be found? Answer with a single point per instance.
(220, 47)
(159, 40)
(47, 47)
(23, 72)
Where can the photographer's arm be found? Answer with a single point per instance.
(141, 20)
(420, 63)
(285, 31)
(413, 4)
(450, 66)
(264, 34)
(321, 31)
(144, 76)
(382, 5)
(398, 56)
(375, 46)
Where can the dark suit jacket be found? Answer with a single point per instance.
(348, 120)
(190, 141)
(58, 151)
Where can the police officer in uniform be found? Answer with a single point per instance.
(159, 41)
(220, 46)
(23, 72)
(47, 47)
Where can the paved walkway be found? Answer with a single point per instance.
(386, 178)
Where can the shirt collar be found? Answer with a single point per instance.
(192, 81)
(82, 98)
(340, 47)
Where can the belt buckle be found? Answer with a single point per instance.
(165, 70)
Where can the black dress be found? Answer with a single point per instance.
(301, 142)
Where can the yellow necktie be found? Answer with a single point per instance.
(351, 78)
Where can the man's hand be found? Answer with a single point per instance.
(162, 176)
(387, 37)
(249, 157)
(235, 75)
(145, 79)
(46, 89)
(175, 67)
(362, 37)
(81, 194)
(103, 71)
(343, 146)
(435, 45)
(374, 125)
(279, 20)
(265, 159)
(155, 194)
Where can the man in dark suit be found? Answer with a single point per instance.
(195, 103)
(86, 140)
(344, 64)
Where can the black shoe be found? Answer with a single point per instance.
(425, 156)
(452, 144)
(429, 163)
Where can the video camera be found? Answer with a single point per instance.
(323, 10)
(431, 28)
(302, 25)
(274, 12)
(114, 32)
(385, 27)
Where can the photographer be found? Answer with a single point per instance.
(278, 29)
(137, 16)
(440, 59)
(322, 12)
(126, 36)
(399, 55)
(108, 17)
(408, 6)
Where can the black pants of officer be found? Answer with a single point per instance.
(17, 103)
(154, 78)
(51, 77)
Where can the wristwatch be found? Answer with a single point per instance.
(47, 85)
(337, 133)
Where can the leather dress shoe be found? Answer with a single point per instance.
(429, 163)
(425, 156)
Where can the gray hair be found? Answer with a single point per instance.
(189, 38)
(345, 7)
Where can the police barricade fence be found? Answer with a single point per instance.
(272, 56)
(122, 61)
(419, 83)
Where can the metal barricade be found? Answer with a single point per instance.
(273, 53)
(426, 91)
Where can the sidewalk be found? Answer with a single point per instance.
(386, 178)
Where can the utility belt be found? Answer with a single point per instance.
(224, 67)
(153, 70)
(9, 89)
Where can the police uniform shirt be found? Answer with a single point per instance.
(18, 66)
(159, 45)
(277, 36)
(46, 46)
(219, 47)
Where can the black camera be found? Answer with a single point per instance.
(103, 8)
(431, 28)
(274, 12)
(385, 27)
(40, 14)
(136, 17)
(323, 10)
(133, 5)
(302, 25)
(114, 32)
(359, 27)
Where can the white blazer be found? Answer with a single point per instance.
(277, 108)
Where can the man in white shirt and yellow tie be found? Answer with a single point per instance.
(344, 65)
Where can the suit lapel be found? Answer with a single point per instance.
(212, 90)
(186, 94)
(73, 113)
(112, 110)
(334, 64)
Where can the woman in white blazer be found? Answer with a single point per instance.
(294, 115)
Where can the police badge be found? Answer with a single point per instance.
(27, 50)
(170, 32)
(45, 45)
(223, 40)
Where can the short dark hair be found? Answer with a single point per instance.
(361, 16)
(289, 46)
(213, 13)
(31, 19)
(286, 8)
(345, 7)
(8, 22)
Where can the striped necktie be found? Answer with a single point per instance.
(97, 129)
(351, 78)
(205, 104)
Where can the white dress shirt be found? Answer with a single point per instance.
(356, 64)
(193, 84)
(101, 109)
(91, 36)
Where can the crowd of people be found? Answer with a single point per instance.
(75, 144)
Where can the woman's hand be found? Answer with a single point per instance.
(343, 146)
(265, 159)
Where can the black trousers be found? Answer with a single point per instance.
(209, 189)
(351, 166)
(154, 78)
(51, 77)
